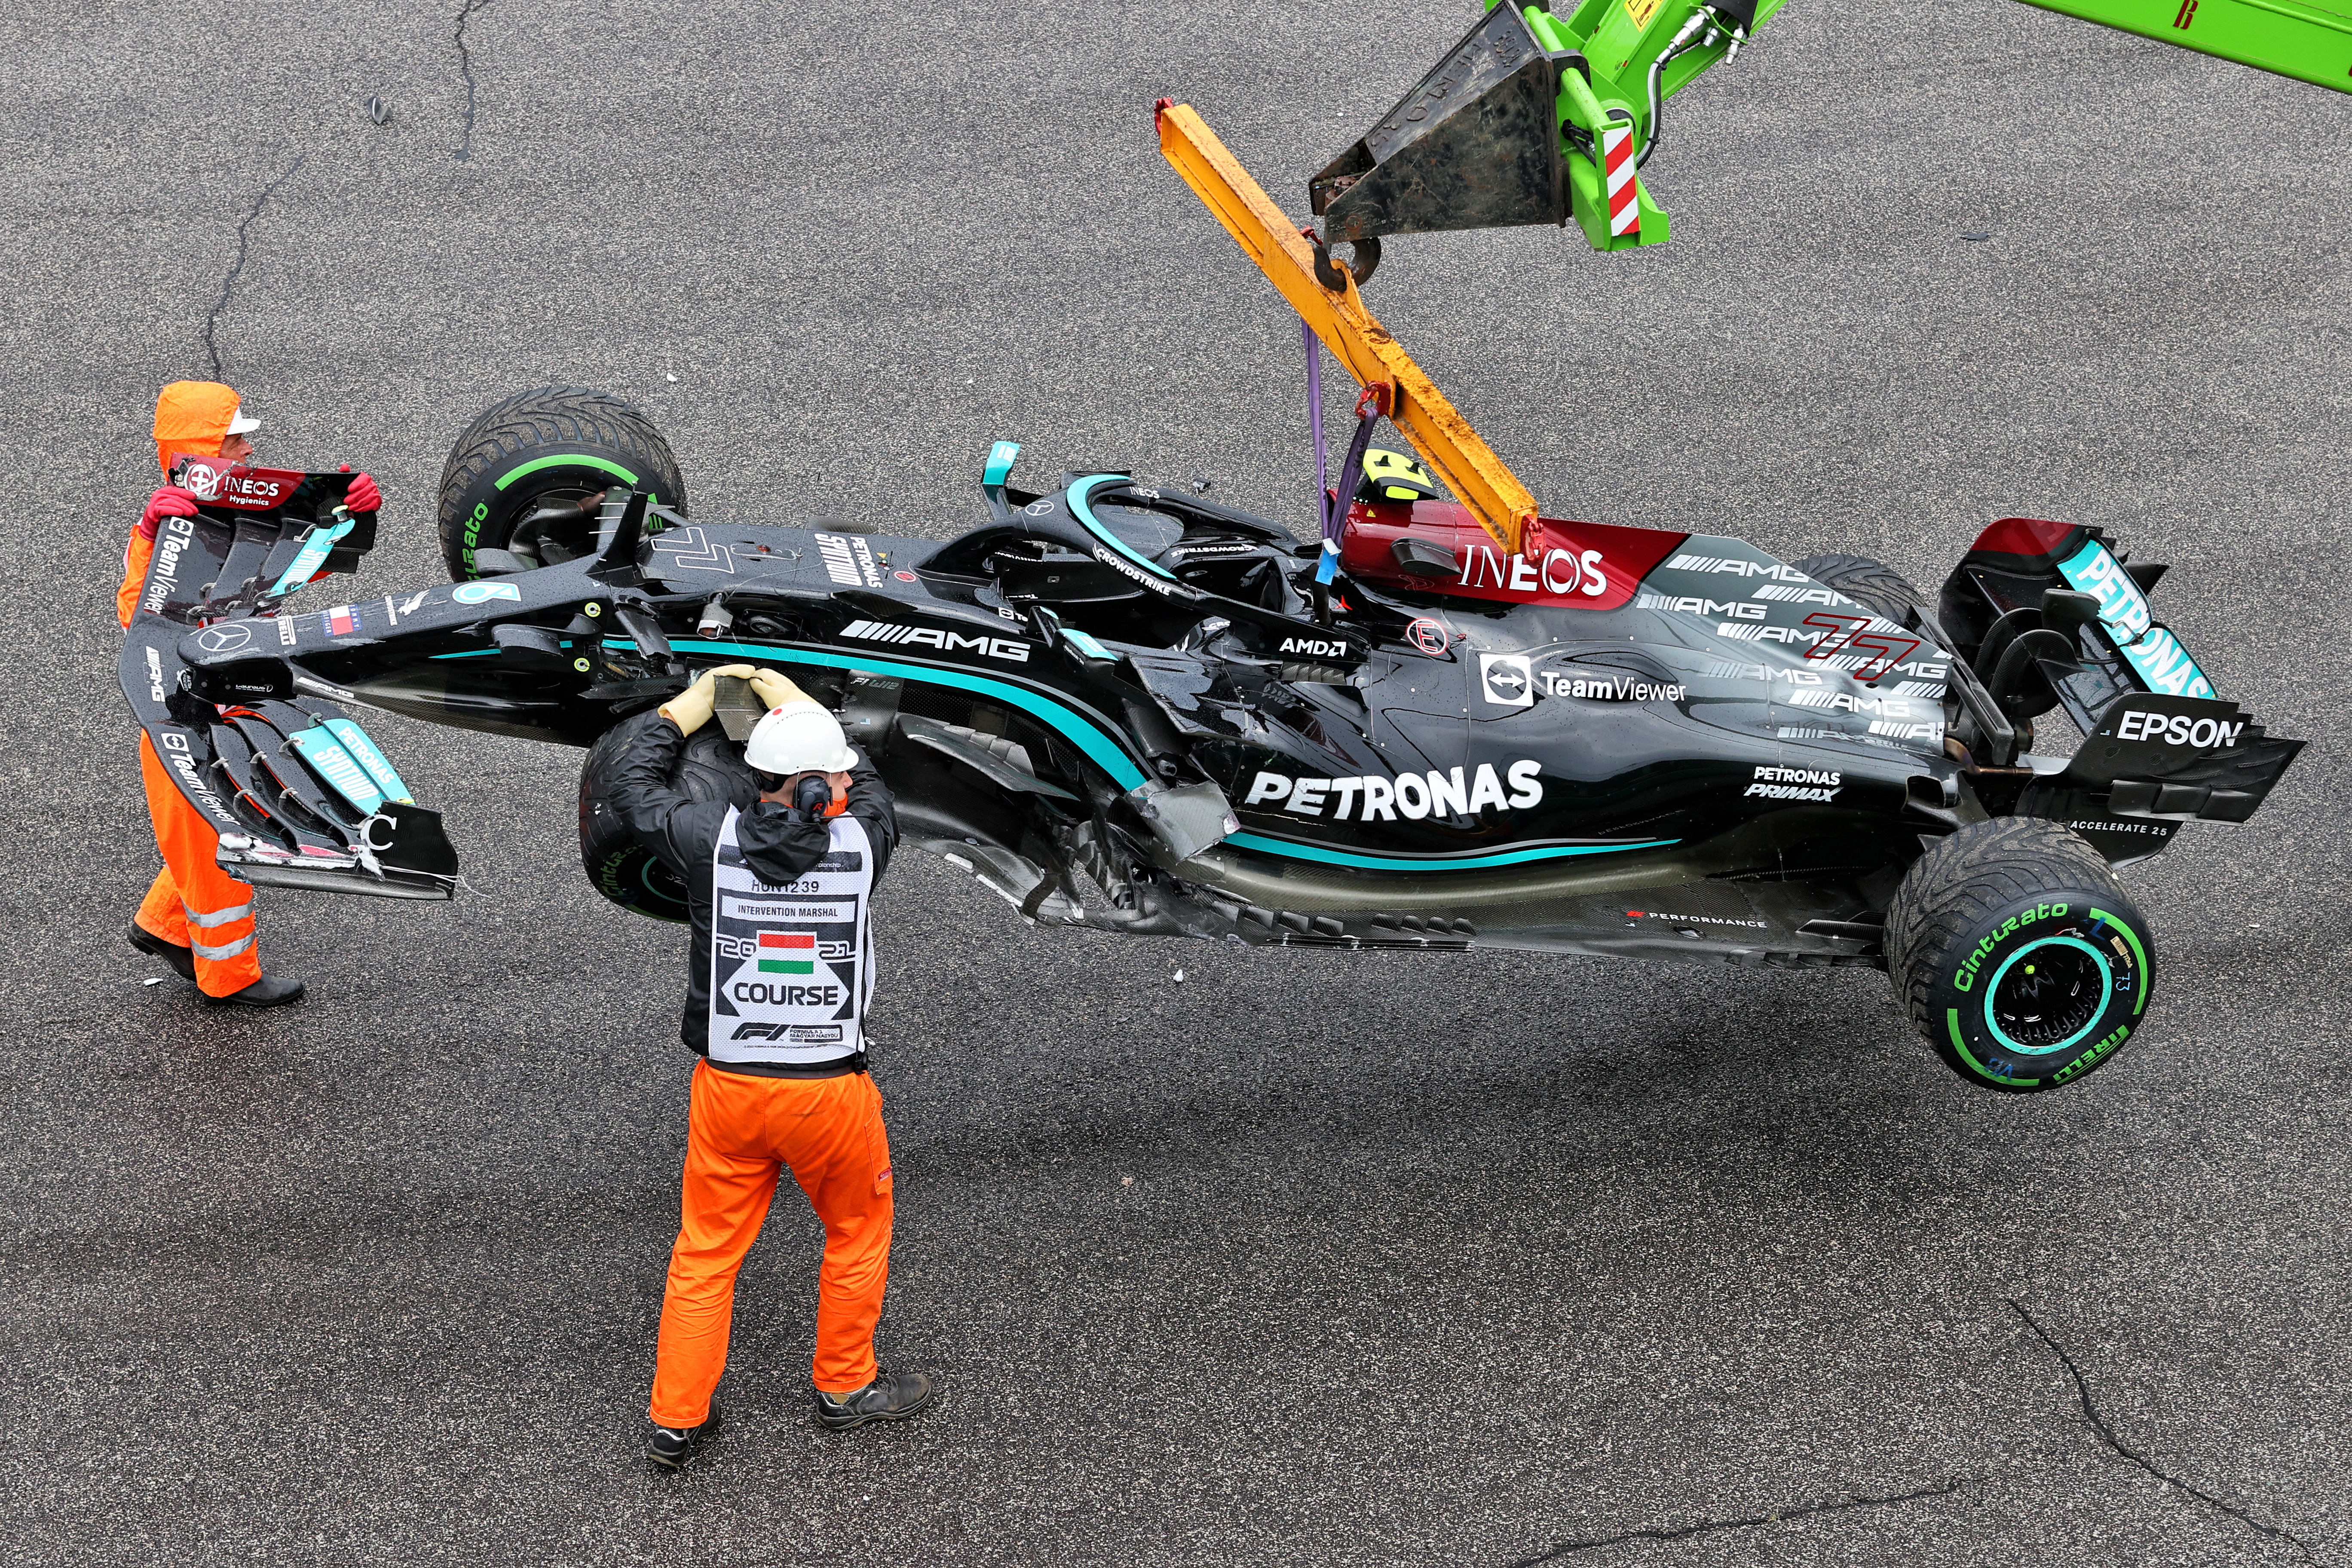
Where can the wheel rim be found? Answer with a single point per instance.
(2048, 995)
(661, 884)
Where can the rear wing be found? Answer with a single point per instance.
(299, 793)
(2048, 615)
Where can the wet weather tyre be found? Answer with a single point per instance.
(618, 865)
(525, 474)
(1874, 586)
(2017, 955)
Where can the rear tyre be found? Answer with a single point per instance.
(2018, 955)
(618, 865)
(527, 475)
(1874, 586)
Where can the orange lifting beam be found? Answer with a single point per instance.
(1437, 430)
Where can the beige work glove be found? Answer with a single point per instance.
(775, 691)
(690, 708)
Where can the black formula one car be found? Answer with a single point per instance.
(1122, 706)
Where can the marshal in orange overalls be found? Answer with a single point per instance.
(742, 1133)
(778, 1092)
(193, 903)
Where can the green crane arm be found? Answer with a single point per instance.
(2292, 37)
(1544, 116)
(1624, 59)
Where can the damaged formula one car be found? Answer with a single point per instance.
(1125, 706)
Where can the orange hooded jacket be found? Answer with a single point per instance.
(192, 420)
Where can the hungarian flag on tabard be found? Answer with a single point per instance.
(787, 953)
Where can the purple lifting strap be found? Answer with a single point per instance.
(1315, 421)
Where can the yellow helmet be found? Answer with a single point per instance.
(1395, 476)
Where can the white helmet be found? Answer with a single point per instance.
(799, 737)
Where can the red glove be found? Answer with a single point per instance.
(363, 496)
(169, 501)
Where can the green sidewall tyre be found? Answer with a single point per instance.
(618, 865)
(2051, 989)
(2019, 956)
(552, 442)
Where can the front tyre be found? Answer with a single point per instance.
(2018, 955)
(618, 865)
(528, 474)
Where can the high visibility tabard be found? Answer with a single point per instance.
(791, 967)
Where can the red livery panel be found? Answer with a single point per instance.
(2028, 536)
(234, 485)
(1574, 565)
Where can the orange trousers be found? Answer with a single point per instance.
(741, 1132)
(194, 902)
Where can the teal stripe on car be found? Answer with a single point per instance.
(316, 547)
(1082, 733)
(1074, 726)
(1265, 845)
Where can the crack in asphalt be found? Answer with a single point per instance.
(2107, 1436)
(1683, 1532)
(466, 68)
(236, 265)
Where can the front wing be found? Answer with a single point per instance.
(298, 792)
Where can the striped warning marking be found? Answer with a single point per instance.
(1617, 160)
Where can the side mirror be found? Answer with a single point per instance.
(994, 476)
(1419, 558)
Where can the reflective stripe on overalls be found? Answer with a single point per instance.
(791, 967)
(194, 903)
(208, 923)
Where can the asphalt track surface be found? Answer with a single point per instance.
(1307, 1258)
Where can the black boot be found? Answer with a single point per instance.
(183, 962)
(270, 991)
(672, 1447)
(891, 1397)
